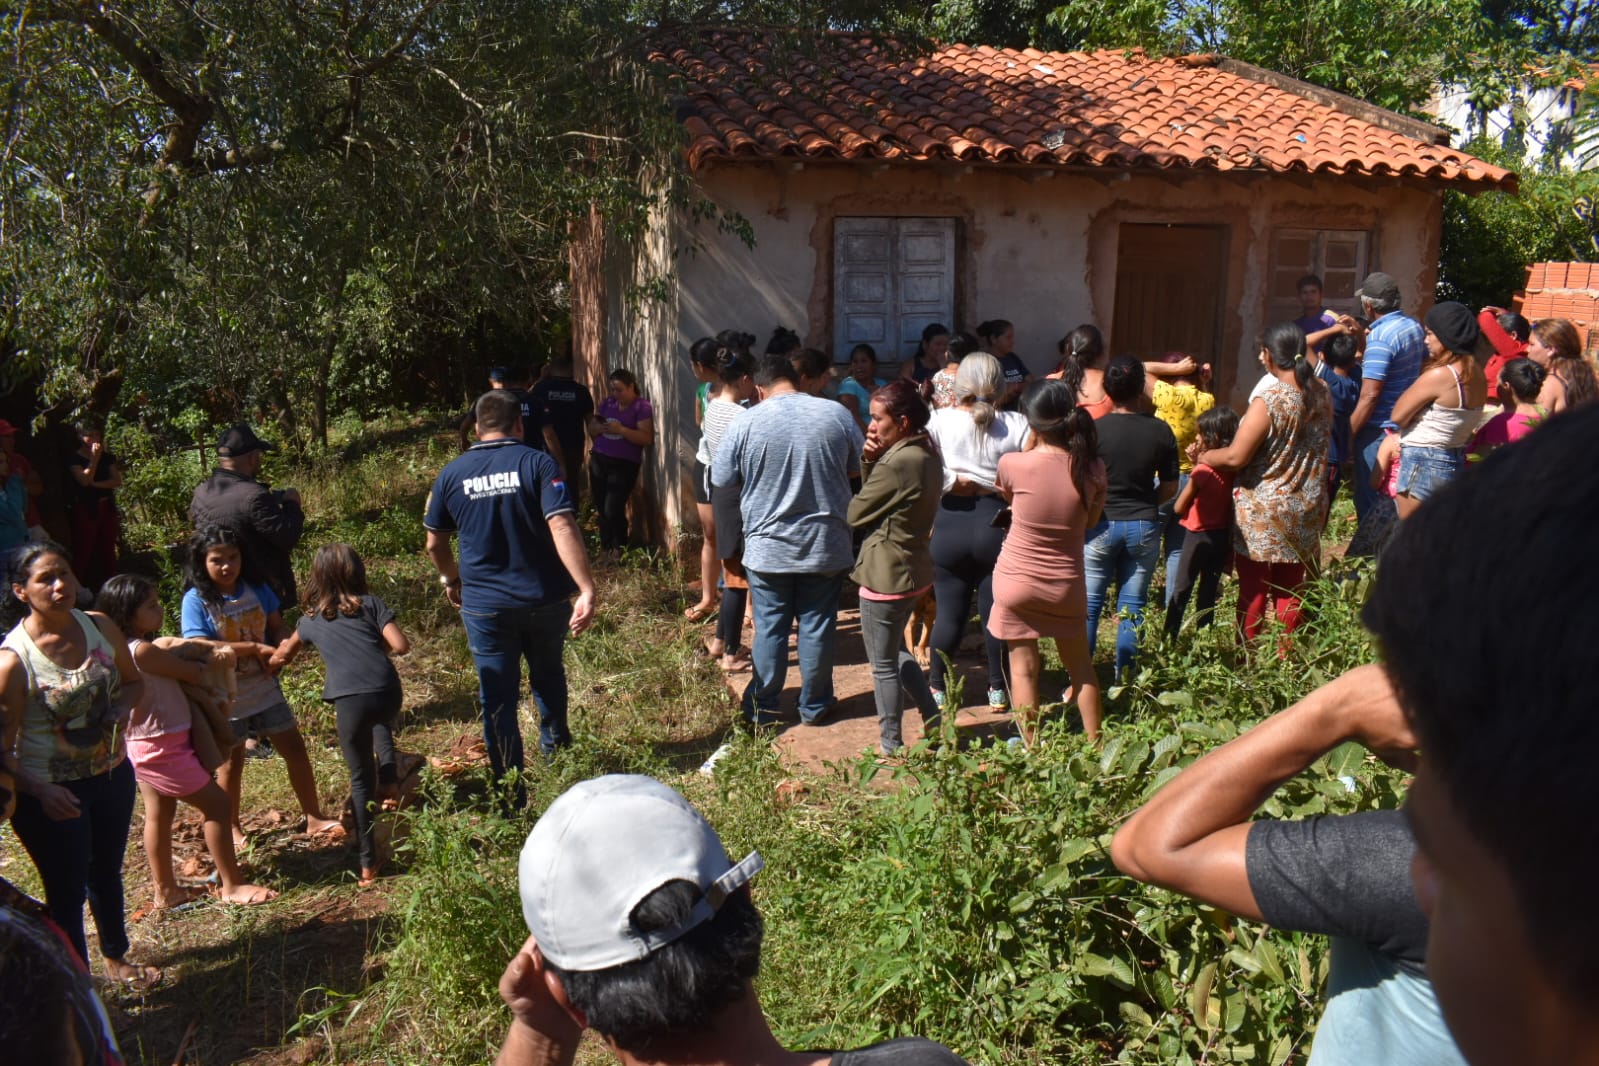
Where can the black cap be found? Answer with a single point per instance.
(241, 440)
(1380, 289)
(1455, 327)
(499, 373)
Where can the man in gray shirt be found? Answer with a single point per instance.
(791, 457)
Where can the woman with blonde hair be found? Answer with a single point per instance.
(971, 436)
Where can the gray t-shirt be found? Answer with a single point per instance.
(903, 1051)
(353, 649)
(791, 455)
(1349, 878)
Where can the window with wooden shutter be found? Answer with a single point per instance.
(891, 277)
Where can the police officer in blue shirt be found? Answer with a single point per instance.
(522, 562)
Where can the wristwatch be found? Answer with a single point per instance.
(449, 582)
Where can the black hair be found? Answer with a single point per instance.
(772, 367)
(784, 341)
(680, 988)
(19, 564)
(497, 411)
(1055, 417)
(1124, 380)
(1308, 279)
(1515, 325)
(48, 1008)
(733, 365)
(1340, 350)
(993, 328)
(202, 542)
(1524, 378)
(1505, 714)
(1284, 345)
(1080, 349)
(810, 362)
(961, 345)
(732, 338)
(929, 331)
(625, 376)
(1218, 426)
(120, 599)
(703, 352)
(863, 347)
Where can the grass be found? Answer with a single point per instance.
(937, 899)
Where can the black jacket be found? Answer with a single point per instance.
(268, 525)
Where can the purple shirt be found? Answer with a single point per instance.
(1315, 324)
(612, 444)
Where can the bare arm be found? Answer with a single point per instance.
(1166, 370)
(1251, 434)
(286, 652)
(160, 661)
(1191, 837)
(643, 436)
(569, 546)
(552, 444)
(1185, 498)
(1422, 392)
(396, 639)
(442, 554)
(1370, 390)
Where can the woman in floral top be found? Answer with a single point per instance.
(1280, 495)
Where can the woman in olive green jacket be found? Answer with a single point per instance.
(902, 480)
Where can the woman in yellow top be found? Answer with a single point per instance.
(1175, 384)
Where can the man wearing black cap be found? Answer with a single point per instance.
(269, 521)
(1395, 349)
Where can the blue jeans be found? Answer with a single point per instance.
(1367, 441)
(500, 640)
(778, 600)
(1173, 534)
(81, 858)
(1124, 552)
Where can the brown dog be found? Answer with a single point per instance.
(924, 615)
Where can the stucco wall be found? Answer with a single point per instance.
(1038, 250)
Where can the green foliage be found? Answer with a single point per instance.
(965, 895)
(1488, 240)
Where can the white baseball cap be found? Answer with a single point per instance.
(599, 850)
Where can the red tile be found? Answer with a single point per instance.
(864, 99)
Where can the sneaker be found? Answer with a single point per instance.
(820, 716)
(260, 749)
(997, 699)
(759, 717)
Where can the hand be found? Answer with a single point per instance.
(224, 655)
(277, 662)
(452, 593)
(613, 426)
(582, 612)
(96, 449)
(524, 989)
(1204, 373)
(59, 804)
(1193, 450)
(1184, 366)
(874, 444)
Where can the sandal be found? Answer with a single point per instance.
(329, 834)
(737, 663)
(259, 894)
(136, 978)
(699, 613)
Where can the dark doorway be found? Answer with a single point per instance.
(1170, 283)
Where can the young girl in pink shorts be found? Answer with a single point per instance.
(159, 744)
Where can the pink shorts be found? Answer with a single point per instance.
(168, 764)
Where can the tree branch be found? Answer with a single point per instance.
(401, 43)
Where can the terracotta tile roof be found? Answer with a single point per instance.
(870, 99)
(1564, 290)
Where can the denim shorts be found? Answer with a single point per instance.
(277, 718)
(1423, 471)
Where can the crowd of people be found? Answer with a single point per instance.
(957, 486)
(1104, 476)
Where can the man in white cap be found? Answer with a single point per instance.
(644, 931)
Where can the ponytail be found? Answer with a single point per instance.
(1079, 348)
(1055, 418)
(1284, 345)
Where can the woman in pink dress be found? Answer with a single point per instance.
(1056, 489)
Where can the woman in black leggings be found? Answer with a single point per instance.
(622, 428)
(971, 436)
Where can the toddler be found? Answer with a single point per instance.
(1204, 506)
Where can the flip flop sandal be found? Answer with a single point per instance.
(698, 613)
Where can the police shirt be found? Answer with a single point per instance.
(567, 406)
(496, 498)
(532, 418)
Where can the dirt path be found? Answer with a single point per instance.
(852, 728)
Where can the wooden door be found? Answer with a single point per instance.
(891, 277)
(1170, 283)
